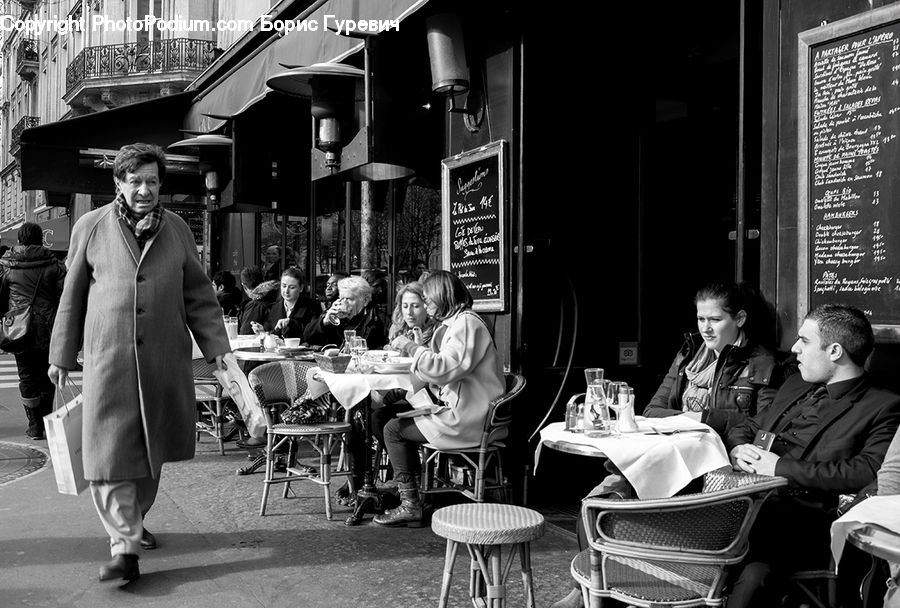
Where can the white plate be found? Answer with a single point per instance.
(395, 365)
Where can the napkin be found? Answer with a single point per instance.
(880, 510)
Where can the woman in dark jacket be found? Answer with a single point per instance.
(29, 269)
(721, 375)
(292, 311)
(260, 296)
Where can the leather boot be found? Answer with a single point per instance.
(35, 428)
(409, 513)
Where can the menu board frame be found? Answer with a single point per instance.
(808, 41)
(450, 166)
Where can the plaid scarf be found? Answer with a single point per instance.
(142, 227)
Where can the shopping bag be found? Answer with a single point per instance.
(235, 385)
(63, 430)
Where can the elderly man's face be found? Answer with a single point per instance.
(141, 188)
(353, 301)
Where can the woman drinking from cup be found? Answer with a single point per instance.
(723, 374)
(463, 367)
(292, 311)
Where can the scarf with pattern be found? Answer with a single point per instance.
(142, 227)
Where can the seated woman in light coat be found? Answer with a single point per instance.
(463, 367)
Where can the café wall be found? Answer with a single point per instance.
(778, 274)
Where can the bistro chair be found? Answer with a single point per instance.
(670, 551)
(277, 385)
(474, 470)
(210, 402)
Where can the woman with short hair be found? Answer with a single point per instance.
(463, 368)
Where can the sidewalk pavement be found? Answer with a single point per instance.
(216, 551)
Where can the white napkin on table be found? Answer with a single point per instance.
(880, 510)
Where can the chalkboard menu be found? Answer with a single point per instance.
(473, 198)
(195, 219)
(849, 156)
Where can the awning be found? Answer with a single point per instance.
(51, 156)
(8, 236)
(56, 233)
(246, 84)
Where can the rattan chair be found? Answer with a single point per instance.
(210, 402)
(278, 384)
(671, 551)
(482, 467)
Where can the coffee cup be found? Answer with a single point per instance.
(292, 342)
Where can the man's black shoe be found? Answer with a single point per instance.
(148, 541)
(124, 566)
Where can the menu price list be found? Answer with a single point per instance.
(855, 119)
(476, 227)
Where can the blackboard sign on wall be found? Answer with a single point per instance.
(849, 154)
(473, 196)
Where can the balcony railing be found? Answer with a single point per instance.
(24, 123)
(159, 56)
(27, 58)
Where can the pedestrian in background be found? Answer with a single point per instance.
(134, 287)
(30, 271)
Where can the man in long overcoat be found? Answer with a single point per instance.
(134, 287)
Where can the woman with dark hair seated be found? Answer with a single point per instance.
(463, 368)
(722, 374)
(292, 311)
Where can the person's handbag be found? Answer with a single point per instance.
(15, 330)
(63, 430)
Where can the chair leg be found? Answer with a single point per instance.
(449, 560)
(270, 470)
(325, 472)
(527, 581)
(596, 580)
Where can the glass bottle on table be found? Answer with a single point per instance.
(593, 377)
(349, 335)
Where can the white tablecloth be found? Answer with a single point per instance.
(349, 388)
(883, 511)
(656, 465)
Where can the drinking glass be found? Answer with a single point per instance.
(612, 400)
(349, 334)
(358, 346)
(593, 375)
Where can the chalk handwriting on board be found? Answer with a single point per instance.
(474, 223)
(853, 121)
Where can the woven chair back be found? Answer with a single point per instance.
(280, 381)
(203, 370)
(496, 424)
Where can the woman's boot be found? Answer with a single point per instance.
(35, 428)
(409, 513)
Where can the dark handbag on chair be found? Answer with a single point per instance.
(15, 330)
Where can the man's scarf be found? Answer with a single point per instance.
(142, 227)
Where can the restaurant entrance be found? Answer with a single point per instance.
(676, 186)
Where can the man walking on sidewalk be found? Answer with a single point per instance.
(134, 287)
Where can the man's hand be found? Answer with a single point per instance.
(281, 324)
(58, 375)
(750, 459)
(220, 362)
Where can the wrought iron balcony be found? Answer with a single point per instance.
(24, 123)
(27, 58)
(139, 58)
